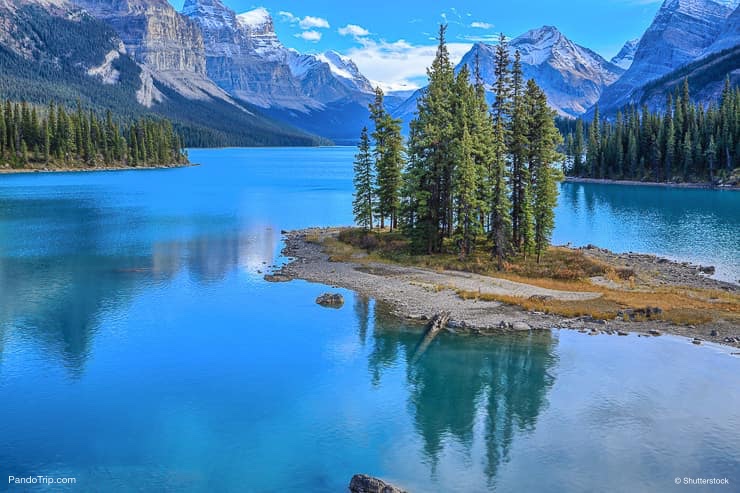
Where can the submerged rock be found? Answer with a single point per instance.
(331, 300)
(362, 483)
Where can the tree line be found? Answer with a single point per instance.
(470, 174)
(57, 136)
(684, 143)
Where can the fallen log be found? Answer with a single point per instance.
(434, 327)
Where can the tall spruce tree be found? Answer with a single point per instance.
(431, 154)
(465, 174)
(543, 141)
(362, 206)
(519, 174)
(500, 208)
(388, 154)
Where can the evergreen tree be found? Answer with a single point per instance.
(544, 139)
(388, 155)
(363, 198)
(578, 149)
(431, 155)
(519, 174)
(500, 209)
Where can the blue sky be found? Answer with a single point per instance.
(391, 42)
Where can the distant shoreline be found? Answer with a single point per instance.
(701, 185)
(20, 171)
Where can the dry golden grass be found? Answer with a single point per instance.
(683, 306)
(560, 269)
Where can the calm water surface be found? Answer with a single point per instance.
(140, 349)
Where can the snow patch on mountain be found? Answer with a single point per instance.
(626, 55)
(255, 19)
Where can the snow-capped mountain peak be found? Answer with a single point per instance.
(572, 76)
(626, 55)
(209, 13)
(258, 18)
(344, 67)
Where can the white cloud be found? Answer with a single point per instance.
(400, 64)
(310, 22)
(312, 36)
(288, 17)
(481, 38)
(481, 25)
(353, 30)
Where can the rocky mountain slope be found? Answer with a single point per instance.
(626, 55)
(58, 50)
(245, 58)
(681, 33)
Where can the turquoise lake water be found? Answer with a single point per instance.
(140, 349)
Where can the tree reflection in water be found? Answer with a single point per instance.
(460, 381)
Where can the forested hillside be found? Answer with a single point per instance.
(55, 137)
(683, 143)
(45, 58)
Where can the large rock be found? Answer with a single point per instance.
(362, 483)
(331, 300)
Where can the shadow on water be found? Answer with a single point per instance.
(54, 292)
(465, 388)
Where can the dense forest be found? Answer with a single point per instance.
(470, 176)
(684, 143)
(56, 137)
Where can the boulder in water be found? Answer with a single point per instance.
(331, 300)
(362, 483)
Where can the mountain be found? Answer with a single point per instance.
(626, 55)
(681, 33)
(706, 77)
(322, 93)
(58, 50)
(573, 77)
(729, 35)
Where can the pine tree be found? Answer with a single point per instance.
(388, 154)
(578, 149)
(519, 175)
(465, 177)
(430, 153)
(362, 205)
(500, 209)
(544, 140)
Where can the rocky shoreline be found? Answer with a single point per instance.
(704, 185)
(87, 169)
(414, 293)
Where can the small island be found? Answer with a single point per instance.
(587, 289)
(54, 138)
(459, 222)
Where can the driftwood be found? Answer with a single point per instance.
(367, 484)
(435, 326)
